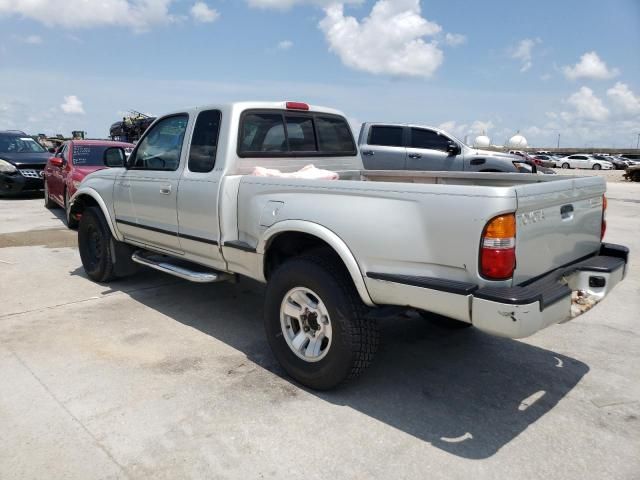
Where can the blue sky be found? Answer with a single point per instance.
(545, 68)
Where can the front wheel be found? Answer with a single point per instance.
(565, 166)
(94, 239)
(597, 166)
(316, 323)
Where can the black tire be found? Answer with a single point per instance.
(566, 165)
(354, 337)
(48, 203)
(72, 223)
(445, 322)
(94, 243)
(596, 167)
(635, 177)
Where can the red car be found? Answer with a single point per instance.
(73, 161)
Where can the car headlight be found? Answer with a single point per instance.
(6, 167)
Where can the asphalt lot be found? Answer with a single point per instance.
(154, 377)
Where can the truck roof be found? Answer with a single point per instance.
(240, 106)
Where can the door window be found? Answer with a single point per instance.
(204, 143)
(428, 139)
(386, 136)
(161, 147)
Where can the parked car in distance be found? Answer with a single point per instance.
(22, 162)
(387, 146)
(544, 160)
(617, 163)
(73, 161)
(502, 252)
(585, 162)
(541, 167)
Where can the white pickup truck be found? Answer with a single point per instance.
(507, 253)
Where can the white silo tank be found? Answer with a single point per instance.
(482, 141)
(518, 141)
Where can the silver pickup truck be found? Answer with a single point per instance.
(507, 253)
(393, 146)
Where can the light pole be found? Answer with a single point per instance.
(638, 142)
(558, 140)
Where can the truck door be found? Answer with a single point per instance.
(384, 148)
(428, 150)
(199, 188)
(145, 195)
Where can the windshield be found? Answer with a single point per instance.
(17, 144)
(88, 155)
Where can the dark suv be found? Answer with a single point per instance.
(22, 162)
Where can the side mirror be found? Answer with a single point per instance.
(56, 161)
(114, 157)
(453, 148)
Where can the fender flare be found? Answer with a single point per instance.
(323, 233)
(90, 192)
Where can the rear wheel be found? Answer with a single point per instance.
(597, 166)
(565, 165)
(71, 220)
(316, 323)
(48, 203)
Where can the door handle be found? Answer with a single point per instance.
(124, 185)
(477, 161)
(368, 152)
(415, 155)
(566, 212)
(166, 190)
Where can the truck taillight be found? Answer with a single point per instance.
(498, 248)
(603, 225)
(297, 106)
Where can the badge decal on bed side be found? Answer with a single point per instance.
(531, 217)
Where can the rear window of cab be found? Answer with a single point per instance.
(280, 133)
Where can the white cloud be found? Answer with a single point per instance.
(78, 14)
(455, 39)
(623, 99)
(29, 39)
(72, 105)
(201, 12)
(461, 130)
(285, 45)
(590, 66)
(524, 52)
(586, 106)
(286, 4)
(389, 41)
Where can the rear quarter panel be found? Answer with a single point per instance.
(428, 230)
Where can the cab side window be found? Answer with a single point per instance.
(386, 136)
(161, 147)
(204, 142)
(428, 139)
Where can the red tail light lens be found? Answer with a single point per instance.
(498, 248)
(297, 106)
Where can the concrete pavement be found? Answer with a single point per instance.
(154, 377)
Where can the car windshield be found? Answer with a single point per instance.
(18, 144)
(88, 155)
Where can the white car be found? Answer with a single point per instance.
(585, 161)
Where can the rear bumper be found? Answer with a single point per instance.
(557, 297)
(519, 311)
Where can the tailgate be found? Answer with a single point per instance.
(558, 222)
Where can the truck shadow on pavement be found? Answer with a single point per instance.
(463, 391)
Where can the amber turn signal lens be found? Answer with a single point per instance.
(503, 226)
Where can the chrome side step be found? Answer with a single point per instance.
(205, 276)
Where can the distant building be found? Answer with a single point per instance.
(482, 141)
(517, 142)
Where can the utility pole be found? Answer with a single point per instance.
(638, 142)
(558, 140)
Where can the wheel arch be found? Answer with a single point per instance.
(308, 236)
(88, 197)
